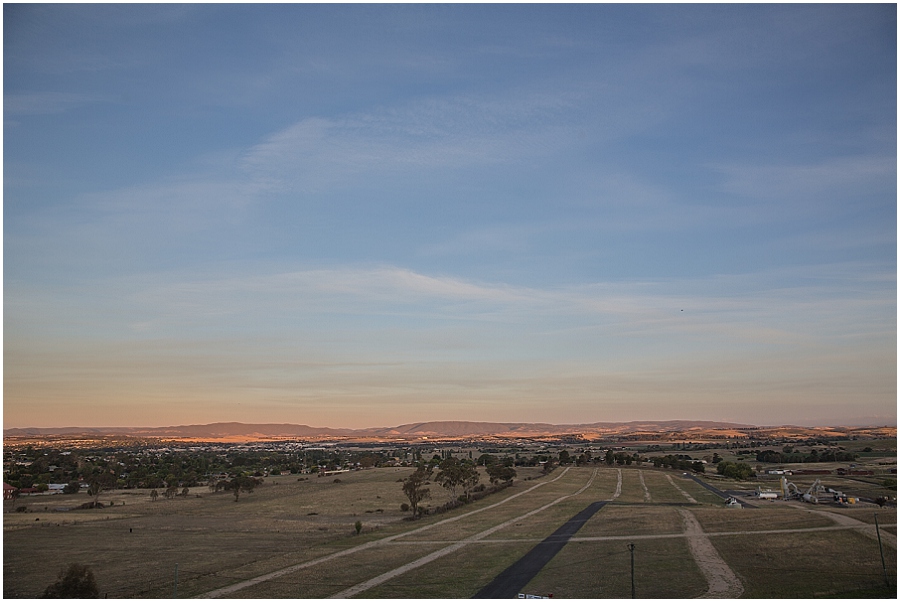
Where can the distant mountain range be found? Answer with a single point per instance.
(418, 430)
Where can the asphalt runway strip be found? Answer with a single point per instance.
(510, 582)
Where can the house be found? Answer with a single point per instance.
(9, 491)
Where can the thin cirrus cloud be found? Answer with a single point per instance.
(318, 153)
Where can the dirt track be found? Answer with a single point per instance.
(231, 589)
(723, 583)
(369, 584)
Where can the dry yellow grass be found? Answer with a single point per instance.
(217, 542)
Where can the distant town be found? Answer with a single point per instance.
(67, 463)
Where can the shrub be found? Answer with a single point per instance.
(77, 581)
(404, 507)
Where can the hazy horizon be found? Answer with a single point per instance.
(353, 214)
(857, 424)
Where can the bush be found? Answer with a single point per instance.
(77, 581)
(890, 483)
(404, 507)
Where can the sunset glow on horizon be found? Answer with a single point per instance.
(372, 215)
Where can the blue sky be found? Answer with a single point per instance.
(366, 215)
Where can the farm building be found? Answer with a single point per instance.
(8, 491)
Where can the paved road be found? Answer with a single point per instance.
(510, 582)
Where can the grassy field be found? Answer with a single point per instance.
(134, 545)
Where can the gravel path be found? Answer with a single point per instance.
(723, 583)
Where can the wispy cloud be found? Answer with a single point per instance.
(316, 152)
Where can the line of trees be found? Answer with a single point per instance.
(788, 456)
(678, 462)
(459, 477)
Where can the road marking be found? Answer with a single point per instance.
(723, 583)
(230, 589)
(378, 580)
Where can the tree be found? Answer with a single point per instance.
(99, 484)
(415, 490)
(358, 526)
(239, 484)
(486, 460)
(77, 581)
(72, 487)
(94, 488)
(455, 475)
(153, 495)
(501, 473)
(564, 457)
(740, 470)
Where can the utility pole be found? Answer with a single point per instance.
(883, 567)
(631, 549)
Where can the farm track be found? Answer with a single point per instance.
(233, 588)
(850, 522)
(723, 583)
(721, 580)
(366, 585)
(686, 495)
(647, 497)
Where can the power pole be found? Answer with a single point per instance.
(883, 567)
(631, 549)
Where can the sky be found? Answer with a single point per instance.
(372, 215)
